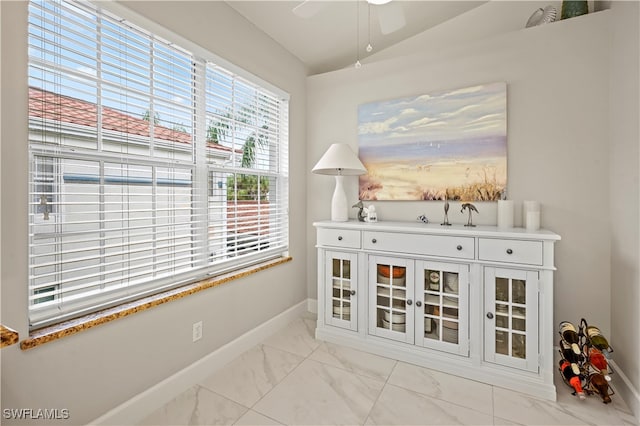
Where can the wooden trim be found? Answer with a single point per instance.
(67, 328)
(8, 336)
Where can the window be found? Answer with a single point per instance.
(150, 166)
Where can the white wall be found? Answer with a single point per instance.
(489, 19)
(625, 195)
(94, 371)
(557, 86)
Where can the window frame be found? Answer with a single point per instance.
(201, 171)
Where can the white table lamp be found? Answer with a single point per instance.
(339, 161)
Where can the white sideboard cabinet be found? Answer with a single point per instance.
(471, 301)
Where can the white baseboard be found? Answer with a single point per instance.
(143, 404)
(312, 306)
(625, 389)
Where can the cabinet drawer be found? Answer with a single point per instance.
(339, 238)
(510, 251)
(427, 245)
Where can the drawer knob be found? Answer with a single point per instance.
(509, 251)
(353, 292)
(339, 237)
(489, 315)
(374, 241)
(459, 247)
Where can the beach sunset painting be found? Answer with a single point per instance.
(449, 144)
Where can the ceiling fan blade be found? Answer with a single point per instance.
(391, 17)
(308, 8)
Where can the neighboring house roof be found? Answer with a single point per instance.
(56, 107)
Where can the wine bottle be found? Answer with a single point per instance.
(568, 354)
(570, 335)
(598, 383)
(597, 339)
(572, 379)
(598, 361)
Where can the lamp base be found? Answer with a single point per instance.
(339, 207)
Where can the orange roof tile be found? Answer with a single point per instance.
(56, 107)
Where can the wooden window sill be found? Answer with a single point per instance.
(8, 336)
(67, 328)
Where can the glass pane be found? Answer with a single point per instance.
(398, 293)
(519, 312)
(432, 309)
(346, 269)
(346, 311)
(383, 300)
(399, 276)
(381, 322)
(450, 312)
(432, 280)
(435, 329)
(383, 272)
(432, 299)
(450, 332)
(337, 310)
(430, 329)
(449, 301)
(502, 342)
(393, 320)
(336, 291)
(519, 346)
(399, 271)
(336, 268)
(519, 292)
(384, 291)
(450, 282)
(519, 324)
(502, 289)
(399, 304)
(502, 308)
(502, 321)
(341, 312)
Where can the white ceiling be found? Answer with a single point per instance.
(327, 40)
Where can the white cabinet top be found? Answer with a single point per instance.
(437, 229)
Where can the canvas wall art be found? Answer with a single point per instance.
(450, 144)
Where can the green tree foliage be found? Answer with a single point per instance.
(243, 186)
(147, 117)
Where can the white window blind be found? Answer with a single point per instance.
(150, 167)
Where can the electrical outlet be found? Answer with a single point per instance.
(197, 331)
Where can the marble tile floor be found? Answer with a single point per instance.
(293, 379)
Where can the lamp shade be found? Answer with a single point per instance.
(339, 160)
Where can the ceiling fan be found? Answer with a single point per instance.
(390, 13)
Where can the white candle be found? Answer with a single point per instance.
(505, 213)
(529, 206)
(533, 221)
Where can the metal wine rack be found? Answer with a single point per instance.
(592, 362)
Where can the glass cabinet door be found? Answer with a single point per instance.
(341, 271)
(391, 298)
(442, 306)
(511, 318)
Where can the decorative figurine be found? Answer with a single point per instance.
(423, 218)
(446, 211)
(360, 207)
(471, 208)
(372, 216)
